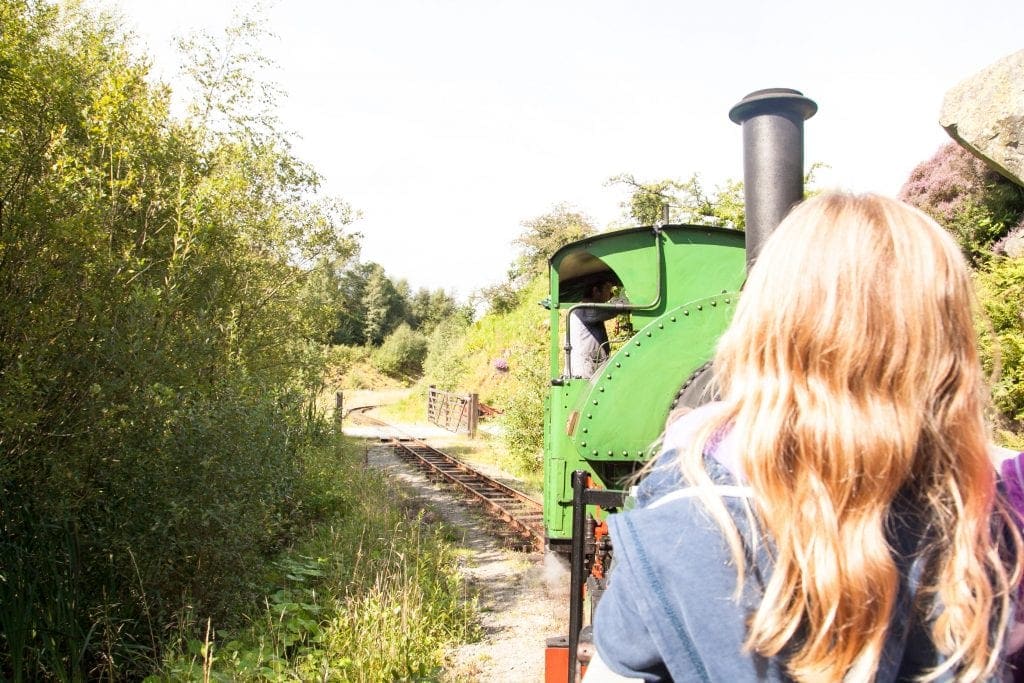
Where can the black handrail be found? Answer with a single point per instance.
(582, 496)
(616, 306)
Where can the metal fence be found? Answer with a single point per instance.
(454, 412)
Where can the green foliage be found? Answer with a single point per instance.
(521, 338)
(544, 235)
(323, 297)
(229, 96)
(686, 201)
(347, 287)
(372, 595)
(157, 355)
(341, 360)
(503, 358)
(427, 309)
(500, 298)
(976, 204)
(1001, 292)
(975, 228)
(729, 207)
(383, 306)
(523, 397)
(445, 367)
(402, 353)
(351, 367)
(369, 305)
(42, 616)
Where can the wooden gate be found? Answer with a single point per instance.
(454, 412)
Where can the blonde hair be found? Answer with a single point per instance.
(850, 376)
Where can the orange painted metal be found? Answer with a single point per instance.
(556, 660)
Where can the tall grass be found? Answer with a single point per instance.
(370, 594)
(42, 601)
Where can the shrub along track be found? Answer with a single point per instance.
(522, 596)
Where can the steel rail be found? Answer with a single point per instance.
(518, 510)
(515, 508)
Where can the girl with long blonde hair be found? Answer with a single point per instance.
(835, 517)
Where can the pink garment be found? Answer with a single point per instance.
(1012, 471)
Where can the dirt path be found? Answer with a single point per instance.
(523, 597)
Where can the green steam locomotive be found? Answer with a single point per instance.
(681, 284)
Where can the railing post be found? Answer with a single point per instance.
(338, 403)
(576, 569)
(474, 411)
(448, 410)
(464, 402)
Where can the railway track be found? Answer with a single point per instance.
(521, 515)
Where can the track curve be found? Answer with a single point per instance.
(522, 515)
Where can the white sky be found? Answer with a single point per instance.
(449, 122)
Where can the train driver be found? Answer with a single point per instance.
(587, 334)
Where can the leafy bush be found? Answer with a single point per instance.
(519, 336)
(402, 353)
(372, 595)
(156, 359)
(975, 203)
(445, 366)
(1001, 292)
(523, 395)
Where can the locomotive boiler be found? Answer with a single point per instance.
(682, 283)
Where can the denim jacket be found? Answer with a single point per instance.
(670, 612)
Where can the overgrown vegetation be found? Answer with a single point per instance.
(402, 353)
(503, 358)
(368, 305)
(509, 355)
(372, 595)
(160, 356)
(681, 201)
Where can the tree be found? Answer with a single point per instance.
(427, 308)
(350, 314)
(156, 362)
(382, 304)
(689, 202)
(402, 353)
(444, 365)
(499, 298)
(543, 236)
(686, 201)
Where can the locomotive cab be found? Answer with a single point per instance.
(680, 282)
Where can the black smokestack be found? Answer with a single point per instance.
(773, 158)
